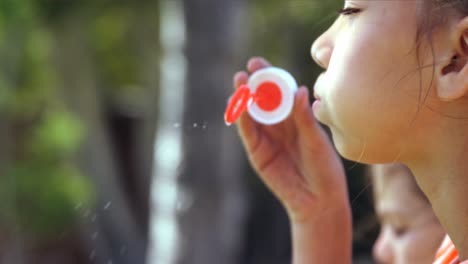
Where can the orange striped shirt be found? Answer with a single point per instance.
(447, 253)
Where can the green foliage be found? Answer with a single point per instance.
(37, 77)
(40, 199)
(59, 134)
(42, 184)
(17, 11)
(38, 195)
(56, 9)
(111, 35)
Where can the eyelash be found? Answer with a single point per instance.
(348, 11)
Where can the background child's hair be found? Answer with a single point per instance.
(413, 185)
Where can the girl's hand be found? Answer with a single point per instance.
(294, 158)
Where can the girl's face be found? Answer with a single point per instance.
(410, 232)
(369, 93)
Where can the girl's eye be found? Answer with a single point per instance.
(349, 11)
(400, 231)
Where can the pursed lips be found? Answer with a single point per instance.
(316, 94)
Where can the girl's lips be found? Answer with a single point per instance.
(316, 96)
(317, 83)
(316, 105)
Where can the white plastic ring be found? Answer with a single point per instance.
(288, 86)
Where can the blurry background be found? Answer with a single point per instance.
(113, 147)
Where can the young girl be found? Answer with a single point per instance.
(410, 232)
(395, 88)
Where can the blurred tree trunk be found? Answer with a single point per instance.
(11, 243)
(98, 158)
(117, 153)
(212, 170)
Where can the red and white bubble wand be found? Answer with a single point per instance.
(268, 97)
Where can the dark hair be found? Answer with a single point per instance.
(434, 13)
(431, 15)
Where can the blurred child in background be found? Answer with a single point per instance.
(410, 232)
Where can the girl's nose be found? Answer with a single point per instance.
(322, 50)
(383, 251)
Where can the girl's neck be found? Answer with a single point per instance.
(444, 180)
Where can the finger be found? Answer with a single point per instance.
(303, 115)
(257, 63)
(248, 130)
(240, 78)
(246, 126)
(317, 147)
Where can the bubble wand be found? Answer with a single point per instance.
(268, 97)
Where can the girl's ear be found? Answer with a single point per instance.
(452, 78)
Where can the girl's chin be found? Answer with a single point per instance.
(347, 148)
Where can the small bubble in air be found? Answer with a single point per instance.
(123, 250)
(86, 213)
(108, 204)
(195, 125)
(176, 125)
(78, 206)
